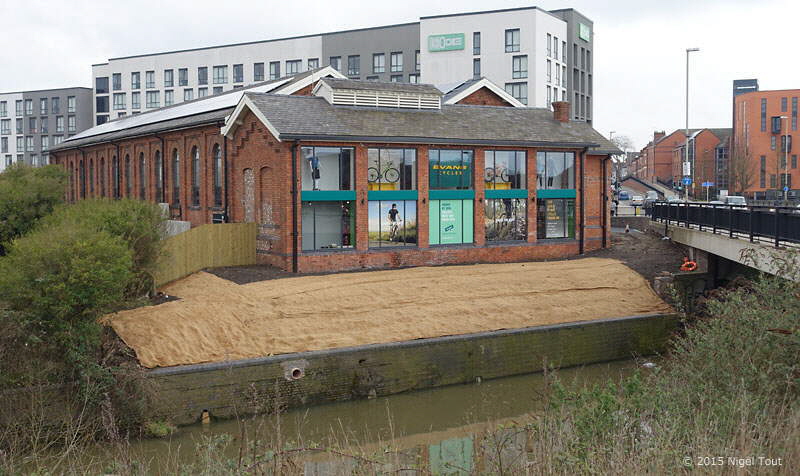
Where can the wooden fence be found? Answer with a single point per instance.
(207, 246)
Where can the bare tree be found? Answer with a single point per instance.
(741, 174)
(625, 144)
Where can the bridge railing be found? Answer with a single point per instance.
(758, 223)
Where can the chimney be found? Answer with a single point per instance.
(561, 111)
(657, 135)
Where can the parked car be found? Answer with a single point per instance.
(650, 197)
(637, 200)
(734, 200)
(623, 195)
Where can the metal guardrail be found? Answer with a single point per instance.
(758, 223)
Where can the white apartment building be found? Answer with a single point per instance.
(12, 138)
(538, 56)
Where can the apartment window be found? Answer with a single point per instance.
(786, 143)
(176, 177)
(5, 126)
(416, 61)
(555, 218)
(183, 77)
(583, 58)
(32, 125)
(19, 126)
(188, 94)
(28, 143)
(45, 143)
(763, 114)
(238, 73)
(258, 71)
(150, 79)
(136, 80)
(476, 68)
(116, 81)
(136, 100)
(101, 103)
(762, 176)
(202, 75)
(784, 104)
(413, 78)
(59, 123)
(152, 99)
(588, 60)
(293, 66)
(119, 101)
(169, 97)
(217, 90)
(519, 91)
(43, 106)
(20, 144)
(43, 124)
(476, 43)
(512, 41)
(71, 124)
(519, 67)
(558, 76)
(549, 41)
(327, 168)
(56, 105)
(550, 95)
(794, 114)
(772, 142)
(776, 124)
(564, 51)
(169, 78)
(58, 139)
(28, 107)
(378, 63)
(220, 74)
(274, 70)
(195, 176)
(202, 92)
(3, 108)
(353, 65)
(313, 63)
(336, 62)
(773, 182)
(555, 48)
(794, 161)
(396, 78)
(372, 78)
(396, 59)
(216, 177)
(9, 161)
(121, 114)
(101, 85)
(18, 105)
(4, 145)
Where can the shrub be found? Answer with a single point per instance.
(26, 195)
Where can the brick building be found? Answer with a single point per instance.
(708, 156)
(364, 174)
(764, 123)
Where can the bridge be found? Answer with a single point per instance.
(761, 237)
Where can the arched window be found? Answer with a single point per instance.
(159, 176)
(82, 178)
(102, 176)
(195, 176)
(115, 175)
(217, 178)
(72, 181)
(176, 177)
(128, 176)
(142, 177)
(91, 177)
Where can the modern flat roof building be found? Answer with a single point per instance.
(33, 121)
(537, 56)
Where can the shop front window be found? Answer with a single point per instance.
(392, 223)
(555, 170)
(392, 169)
(328, 225)
(555, 219)
(506, 219)
(450, 169)
(327, 168)
(505, 169)
(450, 222)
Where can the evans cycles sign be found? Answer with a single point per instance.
(450, 42)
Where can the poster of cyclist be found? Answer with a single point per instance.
(392, 223)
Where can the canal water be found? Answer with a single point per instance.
(436, 428)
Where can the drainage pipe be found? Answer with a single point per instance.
(581, 243)
(294, 207)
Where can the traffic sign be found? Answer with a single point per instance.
(687, 180)
(785, 189)
(708, 184)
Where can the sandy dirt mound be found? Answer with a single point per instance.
(218, 320)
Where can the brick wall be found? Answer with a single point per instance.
(484, 97)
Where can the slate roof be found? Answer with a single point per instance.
(452, 92)
(382, 86)
(313, 118)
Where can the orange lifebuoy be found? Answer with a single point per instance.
(688, 265)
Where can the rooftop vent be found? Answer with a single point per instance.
(375, 94)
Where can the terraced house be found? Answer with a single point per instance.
(344, 174)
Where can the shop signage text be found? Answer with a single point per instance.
(449, 42)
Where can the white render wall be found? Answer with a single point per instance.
(11, 99)
(445, 67)
(265, 52)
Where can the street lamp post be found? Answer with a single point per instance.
(686, 168)
(785, 143)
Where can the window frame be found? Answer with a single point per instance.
(512, 40)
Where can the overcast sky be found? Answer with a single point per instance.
(639, 58)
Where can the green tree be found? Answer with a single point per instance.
(26, 195)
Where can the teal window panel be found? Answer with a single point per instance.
(327, 195)
(451, 194)
(562, 193)
(392, 194)
(518, 193)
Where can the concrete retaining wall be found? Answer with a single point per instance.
(255, 385)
